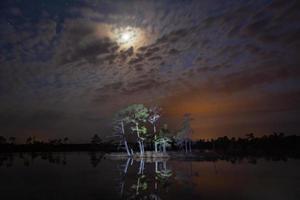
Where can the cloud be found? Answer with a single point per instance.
(81, 40)
(60, 67)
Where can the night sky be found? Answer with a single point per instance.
(67, 66)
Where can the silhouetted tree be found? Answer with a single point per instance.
(2, 140)
(12, 140)
(66, 140)
(250, 136)
(96, 139)
(29, 140)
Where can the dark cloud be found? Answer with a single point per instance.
(150, 51)
(155, 58)
(80, 41)
(141, 86)
(138, 67)
(173, 52)
(136, 60)
(126, 54)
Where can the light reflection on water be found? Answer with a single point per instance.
(91, 176)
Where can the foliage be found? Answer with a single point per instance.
(135, 113)
(164, 174)
(135, 116)
(164, 137)
(154, 115)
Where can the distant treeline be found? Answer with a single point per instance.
(276, 143)
(54, 145)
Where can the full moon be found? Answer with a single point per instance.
(126, 36)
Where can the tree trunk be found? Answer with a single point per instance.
(155, 144)
(126, 146)
(140, 146)
(142, 166)
(137, 130)
(137, 186)
(125, 141)
(127, 165)
(143, 147)
(140, 142)
(185, 146)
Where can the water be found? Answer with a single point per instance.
(90, 176)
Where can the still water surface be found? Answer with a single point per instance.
(63, 176)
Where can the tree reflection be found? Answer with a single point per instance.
(6, 160)
(162, 174)
(95, 158)
(144, 184)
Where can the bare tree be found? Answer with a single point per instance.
(119, 130)
(184, 135)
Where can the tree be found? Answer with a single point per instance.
(184, 135)
(12, 140)
(163, 138)
(2, 140)
(250, 136)
(66, 140)
(96, 139)
(154, 115)
(59, 141)
(136, 116)
(119, 129)
(29, 140)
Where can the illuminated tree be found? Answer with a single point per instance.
(163, 139)
(120, 121)
(154, 115)
(136, 116)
